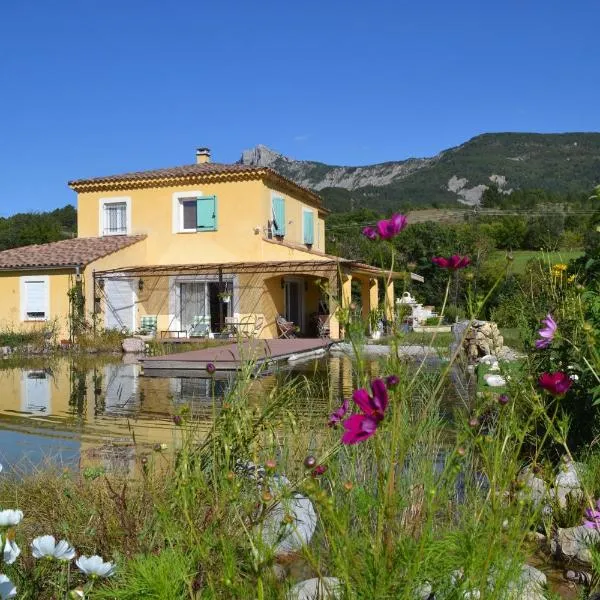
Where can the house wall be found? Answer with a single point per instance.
(242, 206)
(60, 281)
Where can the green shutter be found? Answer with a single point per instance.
(278, 216)
(309, 227)
(206, 213)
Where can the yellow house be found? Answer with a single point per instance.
(188, 251)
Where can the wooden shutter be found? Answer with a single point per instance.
(309, 227)
(206, 213)
(278, 216)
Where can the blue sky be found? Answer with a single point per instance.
(93, 87)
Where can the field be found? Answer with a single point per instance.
(522, 257)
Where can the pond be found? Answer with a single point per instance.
(81, 411)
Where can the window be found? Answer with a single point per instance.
(115, 216)
(278, 216)
(308, 227)
(193, 212)
(35, 298)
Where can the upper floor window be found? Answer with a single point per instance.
(35, 298)
(308, 226)
(278, 216)
(194, 212)
(115, 216)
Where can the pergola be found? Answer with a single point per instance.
(339, 272)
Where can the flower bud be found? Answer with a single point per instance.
(270, 465)
(474, 422)
(503, 399)
(210, 368)
(310, 462)
(177, 420)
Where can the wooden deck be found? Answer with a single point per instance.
(231, 357)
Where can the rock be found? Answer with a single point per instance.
(287, 538)
(567, 482)
(488, 359)
(494, 380)
(534, 488)
(133, 345)
(530, 586)
(325, 588)
(574, 542)
(424, 592)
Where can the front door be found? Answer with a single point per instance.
(294, 302)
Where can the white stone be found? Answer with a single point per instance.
(286, 538)
(494, 380)
(534, 489)
(567, 482)
(325, 588)
(574, 542)
(133, 345)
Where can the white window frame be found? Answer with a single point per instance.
(116, 200)
(45, 279)
(38, 405)
(177, 217)
(315, 227)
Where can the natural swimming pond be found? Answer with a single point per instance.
(97, 410)
(78, 409)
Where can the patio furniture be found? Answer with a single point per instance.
(149, 324)
(200, 327)
(173, 333)
(287, 329)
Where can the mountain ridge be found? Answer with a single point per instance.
(559, 162)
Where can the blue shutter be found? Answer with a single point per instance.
(278, 216)
(309, 227)
(206, 213)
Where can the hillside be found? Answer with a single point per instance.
(565, 163)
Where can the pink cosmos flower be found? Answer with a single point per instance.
(386, 229)
(452, 263)
(546, 333)
(370, 233)
(337, 415)
(557, 383)
(389, 228)
(319, 470)
(360, 427)
(592, 517)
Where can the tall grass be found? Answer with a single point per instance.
(430, 502)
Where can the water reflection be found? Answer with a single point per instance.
(97, 410)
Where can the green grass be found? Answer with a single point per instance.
(522, 257)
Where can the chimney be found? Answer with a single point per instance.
(202, 155)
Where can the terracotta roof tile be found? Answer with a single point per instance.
(172, 172)
(76, 251)
(194, 171)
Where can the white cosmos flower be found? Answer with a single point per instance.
(10, 518)
(11, 551)
(45, 546)
(7, 588)
(94, 566)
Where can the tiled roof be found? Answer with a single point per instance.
(172, 173)
(191, 172)
(66, 253)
